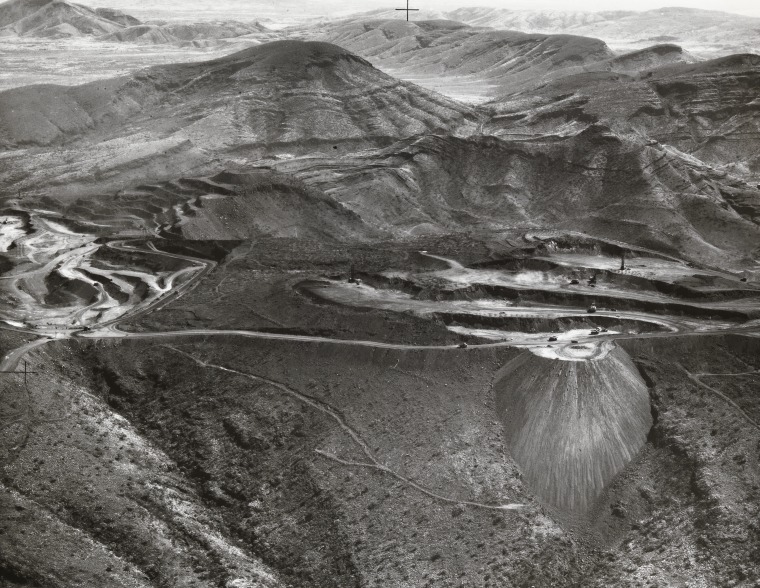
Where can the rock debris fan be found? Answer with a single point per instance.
(572, 425)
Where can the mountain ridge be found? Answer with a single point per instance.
(331, 93)
(59, 18)
(706, 32)
(708, 109)
(438, 51)
(381, 147)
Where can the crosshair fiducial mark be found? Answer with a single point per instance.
(25, 372)
(408, 10)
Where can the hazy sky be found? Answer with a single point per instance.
(289, 8)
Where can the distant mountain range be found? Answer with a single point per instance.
(475, 61)
(55, 18)
(709, 109)
(58, 19)
(703, 32)
(449, 48)
(285, 95)
(700, 32)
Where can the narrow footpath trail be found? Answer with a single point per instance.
(334, 414)
(695, 378)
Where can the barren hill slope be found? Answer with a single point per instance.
(286, 95)
(59, 18)
(651, 57)
(539, 21)
(703, 31)
(64, 19)
(708, 109)
(403, 161)
(200, 34)
(225, 206)
(437, 52)
(595, 181)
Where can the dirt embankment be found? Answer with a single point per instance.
(548, 325)
(442, 290)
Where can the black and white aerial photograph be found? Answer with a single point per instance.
(379, 294)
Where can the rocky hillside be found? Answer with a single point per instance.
(387, 158)
(707, 109)
(62, 19)
(58, 18)
(650, 57)
(286, 95)
(702, 31)
(267, 463)
(595, 181)
(439, 50)
(539, 21)
(202, 34)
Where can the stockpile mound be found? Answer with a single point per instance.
(572, 425)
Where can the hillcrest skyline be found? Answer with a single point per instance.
(293, 9)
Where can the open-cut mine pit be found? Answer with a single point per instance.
(274, 315)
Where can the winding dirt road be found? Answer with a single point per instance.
(199, 268)
(583, 348)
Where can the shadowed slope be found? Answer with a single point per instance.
(226, 206)
(651, 57)
(595, 181)
(572, 425)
